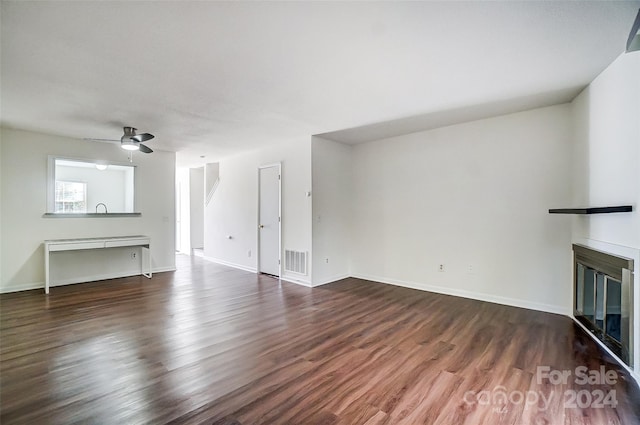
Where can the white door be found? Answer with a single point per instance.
(269, 219)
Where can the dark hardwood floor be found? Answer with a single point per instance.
(213, 345)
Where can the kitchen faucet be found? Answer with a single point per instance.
(105, 207)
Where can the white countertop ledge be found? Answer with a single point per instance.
(90, 215)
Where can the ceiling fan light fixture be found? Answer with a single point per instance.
(131, 141)
(128, 144)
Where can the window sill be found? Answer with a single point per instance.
(90, 215)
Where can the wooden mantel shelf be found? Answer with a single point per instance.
(592, 210)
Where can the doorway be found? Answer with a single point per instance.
(269, 219)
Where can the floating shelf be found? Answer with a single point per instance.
(592, 210)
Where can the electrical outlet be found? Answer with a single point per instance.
(326, 260)
(133, 255)
(441, 268)
(470, 269)
(249, 253)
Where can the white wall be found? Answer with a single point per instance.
(233, 208)
(606, 118)
(1, 210)
(196, 203)
(24, 201)
(332, 204)
(473, 197)
(129, 191)
(183, 214)
(607, 149)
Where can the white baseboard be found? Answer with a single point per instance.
(164, 269)
(297, 281)
(22, 287)
(84, 279)
(229, 264)
(608, 350)
(289, 279)
(514, 302)
(331, 280)
(93, 278)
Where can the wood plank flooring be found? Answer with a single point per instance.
(213, 345)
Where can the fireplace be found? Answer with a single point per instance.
(603, 298)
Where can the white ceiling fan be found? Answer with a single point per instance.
(130, 140)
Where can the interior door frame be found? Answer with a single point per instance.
(279, 167)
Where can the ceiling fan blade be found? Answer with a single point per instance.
(143, 137)
(145, 149)
(101, 140)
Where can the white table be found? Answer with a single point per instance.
(54, 245)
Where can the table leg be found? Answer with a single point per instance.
(46, 271)
(148, 256)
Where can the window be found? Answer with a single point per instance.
(77, 186)
(71, 197)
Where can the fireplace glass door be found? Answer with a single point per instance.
(603, 301)
(613, 308)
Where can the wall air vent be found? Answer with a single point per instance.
(295, 261)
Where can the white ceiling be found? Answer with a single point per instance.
(215, 78)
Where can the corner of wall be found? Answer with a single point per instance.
(332, 194)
